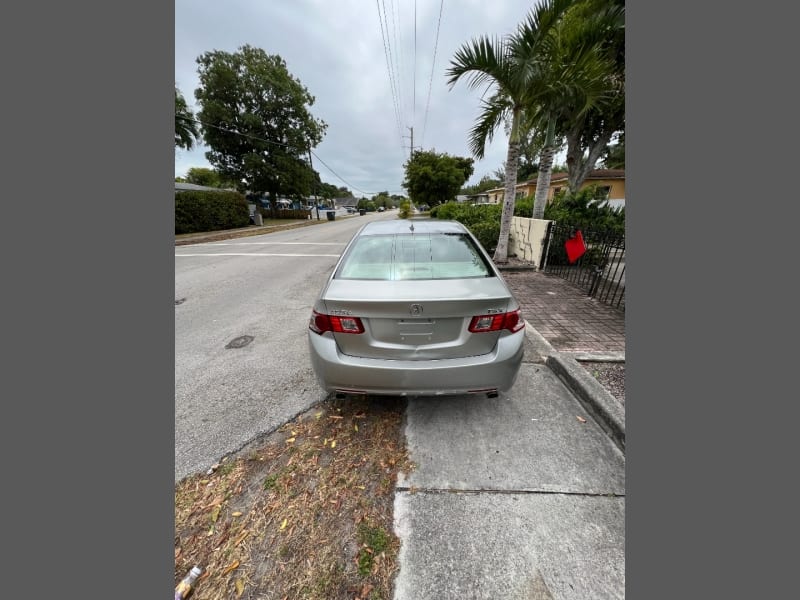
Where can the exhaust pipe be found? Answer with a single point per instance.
(342, 394)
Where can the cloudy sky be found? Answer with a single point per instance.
(343, 51)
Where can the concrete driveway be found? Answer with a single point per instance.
(518, 497)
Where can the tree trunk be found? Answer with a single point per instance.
(509, 199)
(545, 170)
(578, 168)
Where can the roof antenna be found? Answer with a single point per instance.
(412, 228)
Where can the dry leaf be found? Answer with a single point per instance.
(581, 419)
(230, 567)
(283, 525)
(215, 513)
(335, 417)
(355, 426)
(290, 440)
(333, 444)
(239, 587)
(241, 537)
(238, 513)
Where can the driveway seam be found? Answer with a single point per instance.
(414, 490)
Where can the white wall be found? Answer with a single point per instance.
(527, 239)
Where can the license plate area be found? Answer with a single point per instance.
(410, 329)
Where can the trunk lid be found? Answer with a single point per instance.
(417, 320)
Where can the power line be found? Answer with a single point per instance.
(433, 65)
(260, 139)
(414, 74)
(387, 54)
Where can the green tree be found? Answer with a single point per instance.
(486, 183)
(186, 131)
(257, 122)
(588, 134)
(614, 155)
(204, 176)
(432, 178)
(512, 70)
(382, 199)
(571, 78)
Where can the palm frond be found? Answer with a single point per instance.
(481, 61)
(493, 112)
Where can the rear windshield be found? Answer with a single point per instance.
(413, 256)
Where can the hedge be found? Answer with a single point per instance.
(197, 211)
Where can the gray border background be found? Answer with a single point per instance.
(709, 352)
(88, 266)
(88, 280)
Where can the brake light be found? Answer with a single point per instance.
(512, 321)
(320, 323)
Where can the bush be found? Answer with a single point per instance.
(482, 220)
(197, 211)
(524, 207)
(468, 214)
(293, 213)
(405, 209)
(581, 210)
(487, 232)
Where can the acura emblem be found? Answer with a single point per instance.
(416, 309)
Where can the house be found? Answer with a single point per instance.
(610, 182)
(347, 202)
(479, 198)
(192, 187)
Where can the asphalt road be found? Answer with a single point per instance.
(254, 294)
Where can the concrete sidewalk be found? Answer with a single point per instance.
(523, 496)
(520, 497)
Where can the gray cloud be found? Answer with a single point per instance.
(336, 49)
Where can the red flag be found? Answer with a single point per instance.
(575, 247)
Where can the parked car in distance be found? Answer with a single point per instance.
(381, 209)
(415, 308)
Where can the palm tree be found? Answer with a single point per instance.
(589, 134)
(186, 130)
(512, 68)
(572, 76)
(549, 66)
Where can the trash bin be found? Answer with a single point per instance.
(362, 211)
(331, 215)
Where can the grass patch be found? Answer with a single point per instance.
(307, 514)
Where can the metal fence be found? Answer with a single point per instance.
(600, 271)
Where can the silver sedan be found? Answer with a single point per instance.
(415, 308)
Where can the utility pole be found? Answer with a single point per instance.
(316, 200)
(411, 149)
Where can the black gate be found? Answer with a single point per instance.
(600, 270)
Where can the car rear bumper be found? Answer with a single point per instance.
(495, 371)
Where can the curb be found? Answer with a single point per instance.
(605, 409)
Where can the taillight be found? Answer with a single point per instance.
(512, 321)
(320, 323)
